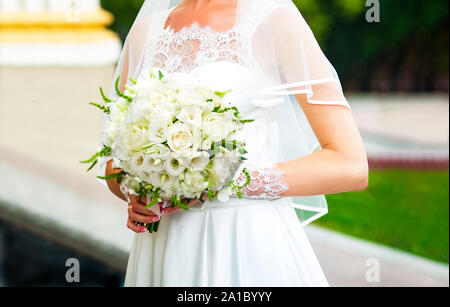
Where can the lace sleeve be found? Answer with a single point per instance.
(265, 182)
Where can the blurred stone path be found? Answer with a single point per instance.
(411, 131)
(348, 262)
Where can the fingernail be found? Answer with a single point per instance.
(155, 219)
(144, 230)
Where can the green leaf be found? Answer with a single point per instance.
(242, 151)
(156, 226)
(107, 110)
(221, 94)
(161, 76)
(92, 165)
(211, 195)
(105, 151)
(117, 176)
(119, 93)
(151, 227)
(155, 198)
(106, 99)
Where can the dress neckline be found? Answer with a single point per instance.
(197, 26)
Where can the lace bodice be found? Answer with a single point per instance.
(194, 46)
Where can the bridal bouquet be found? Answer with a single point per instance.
(174, 139)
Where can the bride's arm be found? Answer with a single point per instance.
(340, 166)
(113, 185)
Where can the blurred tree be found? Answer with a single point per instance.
(125, 11)
(406, 51)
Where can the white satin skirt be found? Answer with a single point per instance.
(241, 243)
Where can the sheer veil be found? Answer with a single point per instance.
(283, 48)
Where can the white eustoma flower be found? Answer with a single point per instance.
(221, 166)
(191, 115)
(155, 179)
(174, 165)
(167, 182)
(144, 175)
(189, 96)
(125, 165)
(157, 132)
(224, 194)
(200, 161)
(137, 162)
(152, 164)
(160, 151)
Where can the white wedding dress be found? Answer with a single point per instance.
(242, 242)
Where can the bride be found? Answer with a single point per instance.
(303, 143)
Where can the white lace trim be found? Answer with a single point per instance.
(194, 46)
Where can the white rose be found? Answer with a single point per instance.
(182, 139)
(193, 184)
(135, 137)
(217, 126)
(167, 194)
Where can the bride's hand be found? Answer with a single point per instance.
(138, 213)
(191, 203)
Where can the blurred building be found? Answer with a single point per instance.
(54, 54)
(56, 32)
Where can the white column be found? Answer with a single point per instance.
(59, 6)
(88, 5)
(35, 5)
(10, 6)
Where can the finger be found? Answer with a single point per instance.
(136, 217)
(194, 202)
(170, 210)
(138, 199)
(140, 208)
(133, 227)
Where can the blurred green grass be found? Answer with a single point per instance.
(408, 210)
